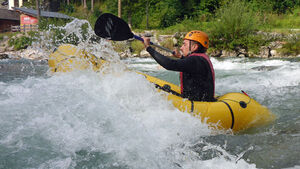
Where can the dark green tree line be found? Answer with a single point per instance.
(161, 14)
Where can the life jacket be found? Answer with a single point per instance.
(204, 56)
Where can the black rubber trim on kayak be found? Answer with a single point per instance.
(167, 88)
(192, 106)
(232, 115)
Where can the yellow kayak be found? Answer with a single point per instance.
(235, 111)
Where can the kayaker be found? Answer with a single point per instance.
(197, 77)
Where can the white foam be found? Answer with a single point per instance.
(244, 63)
(116, 113)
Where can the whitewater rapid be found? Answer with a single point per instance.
(118, 116)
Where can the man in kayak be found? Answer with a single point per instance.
(197, 77)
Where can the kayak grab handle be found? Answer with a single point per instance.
(245, 93)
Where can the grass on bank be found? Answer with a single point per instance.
(292, 46)
(23, 41)
(284, 23)
(8, 34)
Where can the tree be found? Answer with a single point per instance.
(132, 7)
(84, 4)
(147, 14)
(119, 8)
(38, 10)
(282, 6)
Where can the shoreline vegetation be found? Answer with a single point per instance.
(236, 28)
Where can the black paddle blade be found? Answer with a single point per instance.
(111, 27)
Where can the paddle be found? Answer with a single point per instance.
(111, 27)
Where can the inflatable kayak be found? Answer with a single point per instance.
(235, 111)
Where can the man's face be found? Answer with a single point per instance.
(185, 48)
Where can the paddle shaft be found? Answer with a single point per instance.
(151, 43)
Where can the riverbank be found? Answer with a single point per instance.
(134, 48)
(274, 49)
(8, 51)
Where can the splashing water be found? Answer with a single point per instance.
(80, 119)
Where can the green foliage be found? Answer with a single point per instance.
(255, 41)
(250, 43)
(68, 8)
(84, 31)
(208, 6)
(234, 23)
(21, 43)
(283, 6)
(46, 23)
(168, 43)
(29, 4)
(292, 46)
(287, 21)
(59, 36)
(170, 11)
(137, 47)
(8, 34)
(231, 24)
(263, 6)
(187, 25)
(120, 46)
(163, 14)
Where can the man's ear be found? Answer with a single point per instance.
(194, 47)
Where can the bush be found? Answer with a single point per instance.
(233, 24)
(263, 6)
(20, 43)
(68, 8)
(8, 34)
(59, 36)
(169, 13)
(208, 6)
(250, 43)
(137, 46)
(282, 7)
(46, 22)
(254, 42)
(292, 46)
(186, 26)
(120, 46)
(168, 43)
(84, 31)
(287, 21)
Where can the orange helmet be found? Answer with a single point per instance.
(198, 36)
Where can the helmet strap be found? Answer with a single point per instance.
(190, 48)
